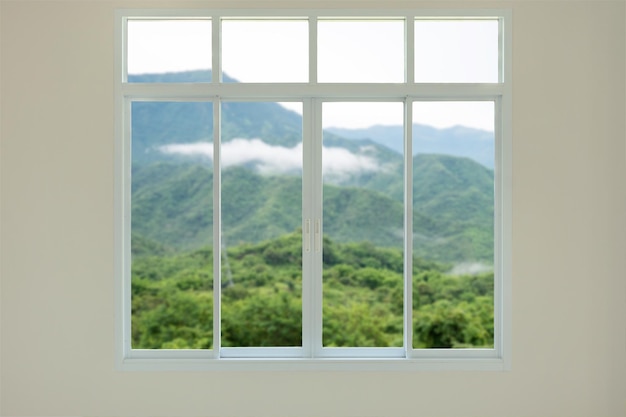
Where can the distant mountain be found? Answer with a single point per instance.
(457, 141)
(161, 123)
(172, 205)
(363, 173)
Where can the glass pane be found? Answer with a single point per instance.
(362, 224)
(172, 225)
(169, 51)
(456, 51)
(261, 225)
(265, 51)
(360, 51)
(453, 224)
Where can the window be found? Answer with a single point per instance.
(313, 189)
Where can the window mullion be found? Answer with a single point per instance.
(216, 57)
(500, 50)
(409, 44)
(126, 162)
(307, 230)
(408, 225)
(313, 49)
(497, 217)
(317, 225)
(217, 229)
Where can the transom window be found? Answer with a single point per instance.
(313, 189)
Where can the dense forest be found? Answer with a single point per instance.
(172, 227)
(261, 297)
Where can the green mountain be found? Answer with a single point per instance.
(172, 205)
(155, 124)
(159, 123)
(172, 182)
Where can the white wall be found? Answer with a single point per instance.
(569, 224)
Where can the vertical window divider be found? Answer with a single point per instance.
(501, 69)
(127, 225)
(313, 49)
(216, 56)
(408, 226)
(316, 207)
(497, 218)
(409, 65)
(124, 49)
(217, 229)
(409, 44)
(307, 216)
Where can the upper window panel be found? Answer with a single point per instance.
(169, 50)
(366, 51)
(265, 51)
(456, 51)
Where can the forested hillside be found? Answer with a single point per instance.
(261, 304)
(453, 200)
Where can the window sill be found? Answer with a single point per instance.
(318, 364)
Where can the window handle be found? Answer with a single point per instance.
(318, 234)
(307, 235)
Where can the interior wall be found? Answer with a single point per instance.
(569, 224)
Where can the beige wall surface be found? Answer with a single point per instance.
(569, 224)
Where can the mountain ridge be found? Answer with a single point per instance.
(261, 162)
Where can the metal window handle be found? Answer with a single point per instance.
(307, 235)
(318, 234)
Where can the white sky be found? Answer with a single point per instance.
(348, 51)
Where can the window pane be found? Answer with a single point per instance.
(265, 51)
(456, 51)
(169, 51)
(172, 212)
(361, 51)
(363, 227)
(261, 225)
(453, 224)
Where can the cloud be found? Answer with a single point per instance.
(339, 162)
(274, 159)
(189, 149)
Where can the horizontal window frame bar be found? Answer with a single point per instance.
(298, 352)
(432, 353)
(362, 352)
(262, 352)
(304, 13)
(299, 91)
(171, 354)
(313, 364)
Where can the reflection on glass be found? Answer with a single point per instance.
(465, 51)
(171, 226)
(163, 47)
(362, 224)
(261, 226)
(265, 51)
(361, 51)
(453, 225)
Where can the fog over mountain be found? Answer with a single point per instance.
(261, 158)
(156, 124)
(275, 159)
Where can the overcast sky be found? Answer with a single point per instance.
(347, 51)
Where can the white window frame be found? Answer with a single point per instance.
(312, 94)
